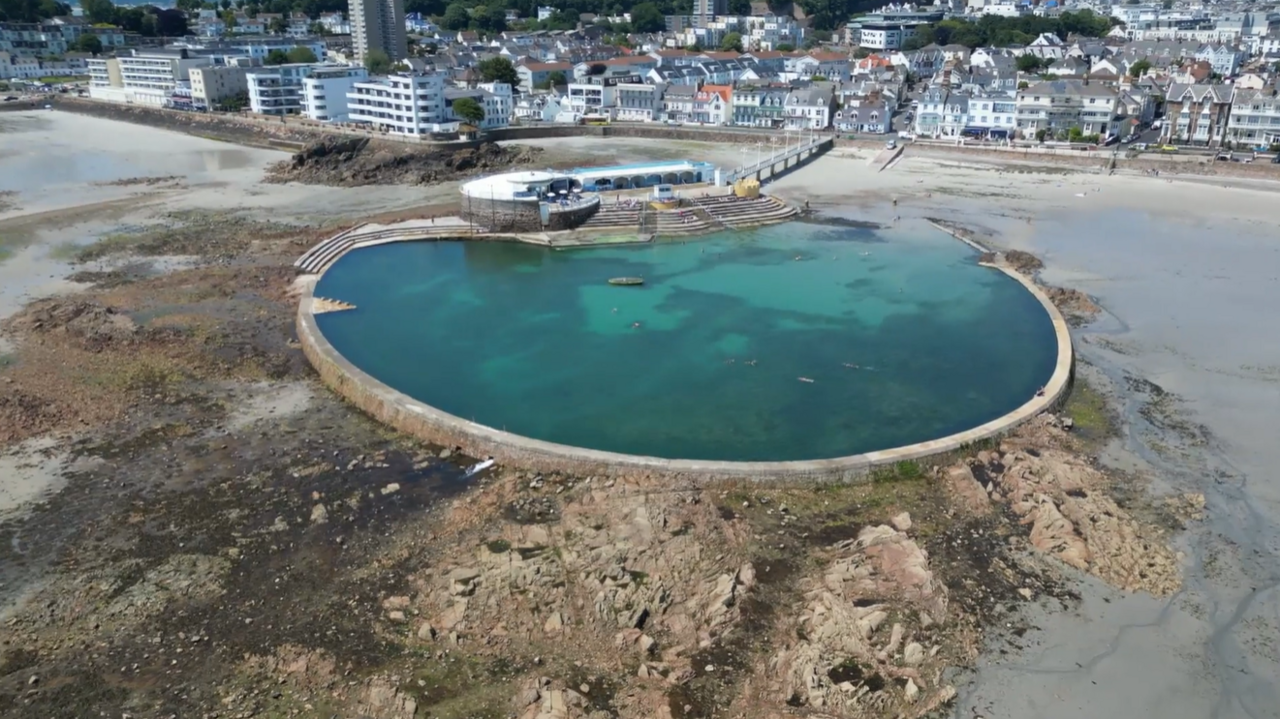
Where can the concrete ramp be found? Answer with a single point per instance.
(886, 158)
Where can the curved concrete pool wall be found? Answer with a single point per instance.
(432, 425)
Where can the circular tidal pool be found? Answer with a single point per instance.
(899, 336)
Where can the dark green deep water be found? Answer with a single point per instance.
(526, 339)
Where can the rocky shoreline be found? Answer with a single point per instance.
(301, 549)
(211, 533)
(356, 161)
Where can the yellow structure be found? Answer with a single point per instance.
(748, 188)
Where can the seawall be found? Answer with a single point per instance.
(433, 425)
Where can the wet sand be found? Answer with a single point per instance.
(60, 169)
(1188, 273)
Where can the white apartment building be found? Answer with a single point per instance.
(598, 97)
(885, 36)
(1255, 118)
(147, 77)
(324, 92)
(1062, 104)
(211, 85)
(1004, 8)
(402, 104)
(277, 90)
(498, 103)
(994, 116)
(19, 67)
(769, 31)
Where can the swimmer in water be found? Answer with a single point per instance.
(635, 325)
(615, 310)
(850, 365)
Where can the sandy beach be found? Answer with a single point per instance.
(1187, 352)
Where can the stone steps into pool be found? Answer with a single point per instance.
(733, 211)
(322, 305)
(325, 253)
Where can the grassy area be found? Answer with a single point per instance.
(106, 246)
(57, 79)
(456, 687)
(1087, 408)
(65, 251)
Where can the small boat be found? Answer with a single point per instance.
(805, 379)
(627, 281)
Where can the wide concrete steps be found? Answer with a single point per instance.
(318, 258)
(733, 212)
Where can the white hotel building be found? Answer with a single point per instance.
(324, 92)
(147, 77)
(420, 104)
(402, 104)
(315, 90)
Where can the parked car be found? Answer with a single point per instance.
(891, 145)
(1168, 148)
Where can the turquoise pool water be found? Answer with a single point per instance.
(905, 338)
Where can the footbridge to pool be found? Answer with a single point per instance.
(779, 161)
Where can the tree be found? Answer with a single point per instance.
(1139, 68)
(89, 43)
(225, 4)
(277, 26)
(316, 28)
(646, 17)
(377, 62)
(732, 42)
(1023, 84)
(499, 69)
(302, 54)
(488, 20)
(276, 57)
(99, 10)
(739, 7)
(1029, 63)
(1041, 134)
(234, 103)
(229, 18)
(426, 7)
(456, 17)
(785, 47)
(557, 79)
(168, 23)
(31, 10)
(468, 110)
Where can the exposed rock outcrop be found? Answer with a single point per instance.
(1064, 499)
(353, 161)
(863, 642)
(80, 318)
